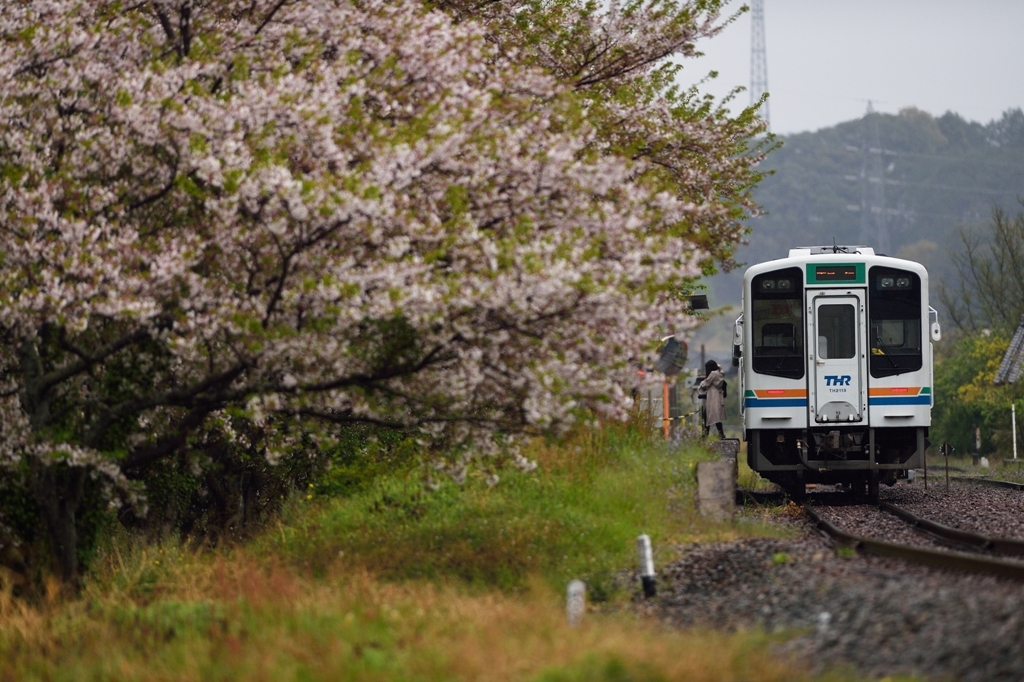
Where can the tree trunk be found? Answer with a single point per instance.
(58, 490)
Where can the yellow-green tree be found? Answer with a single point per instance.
(966, 396)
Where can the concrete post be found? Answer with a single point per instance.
(716, 489)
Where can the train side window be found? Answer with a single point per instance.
(894, 315)
(777, 323)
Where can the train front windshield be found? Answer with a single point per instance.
(778, 329)
(894, 309)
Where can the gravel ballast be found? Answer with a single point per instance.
(881, 616)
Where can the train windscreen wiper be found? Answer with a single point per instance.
(884, 351)
(784, 358)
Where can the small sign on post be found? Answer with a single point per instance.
(671, 360)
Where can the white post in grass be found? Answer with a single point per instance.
(1013, 424)
(575, 602)
(643, 549)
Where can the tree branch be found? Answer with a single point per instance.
(142, 456)
(269, 16)
(85, 360)
(165, 23)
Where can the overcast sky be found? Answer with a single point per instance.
(827, 58)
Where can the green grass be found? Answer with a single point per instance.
(397, 583)
(999, 468)
(578, 517)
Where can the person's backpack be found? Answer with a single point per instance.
(725, 388)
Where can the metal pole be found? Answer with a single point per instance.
(947, 471)
(666, 420)
(1013, 422)
(946, 450)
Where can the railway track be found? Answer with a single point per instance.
(989, 482)
(937, 615)
(977, 541)
(970, 561)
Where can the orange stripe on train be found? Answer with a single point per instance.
(782, 393)
(896, 390)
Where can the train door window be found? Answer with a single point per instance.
(894, 314)
(777, 323)
(837, 331)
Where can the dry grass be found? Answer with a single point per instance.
(235, 616)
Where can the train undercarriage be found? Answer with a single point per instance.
(857, 457)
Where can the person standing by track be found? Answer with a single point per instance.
(714, 404)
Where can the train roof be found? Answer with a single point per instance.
(831, 250)
(801, 255)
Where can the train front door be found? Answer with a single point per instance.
(837, 383)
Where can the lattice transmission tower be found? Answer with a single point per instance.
(758, 59)
(874, 224)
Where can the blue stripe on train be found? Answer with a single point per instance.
(775, 402)
(802, 402)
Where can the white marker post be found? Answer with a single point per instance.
(643, 549)
(1013, 424)
(575, 602)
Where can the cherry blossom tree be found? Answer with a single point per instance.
(623, 61)
(343, 211)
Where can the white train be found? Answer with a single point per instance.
(835, 363)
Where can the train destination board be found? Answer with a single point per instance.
(836, 273)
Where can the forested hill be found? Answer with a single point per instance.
(905, 184)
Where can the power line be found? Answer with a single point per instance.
(914, 213)
(927, 185)
(954, 158)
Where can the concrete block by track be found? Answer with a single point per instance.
(716, 489)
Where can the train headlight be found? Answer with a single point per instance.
(768, 284)
(886, 283)
(785, 285)
(902, 282)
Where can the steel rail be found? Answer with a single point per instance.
(1004, 546)
(759, 497)
(961, 561)
(990, 482)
